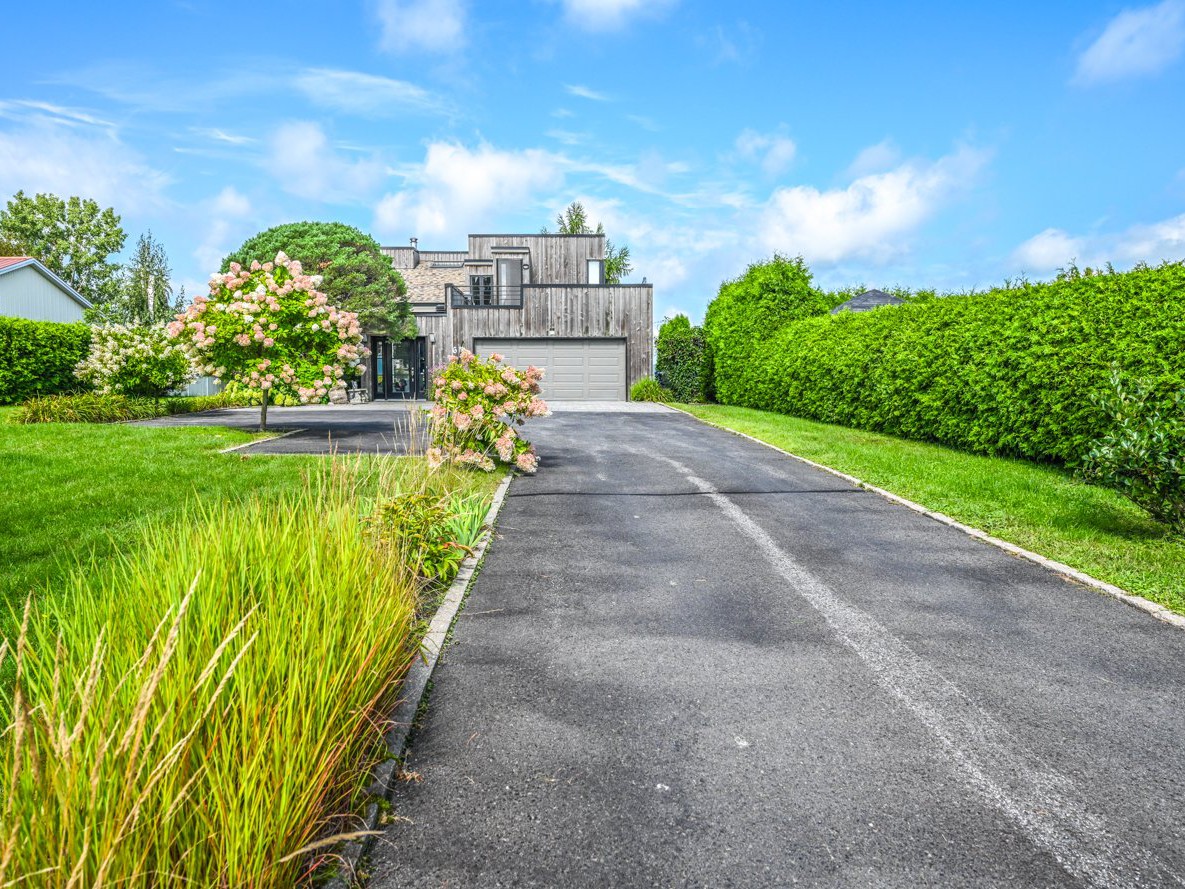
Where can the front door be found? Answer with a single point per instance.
(397, 368)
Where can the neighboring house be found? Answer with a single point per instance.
(869, 299)
(535, 299)
(29, 290)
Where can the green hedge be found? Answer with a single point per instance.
(749, 311)
(1011, 371)
(92, 407)
(682, 361)
(38, 357)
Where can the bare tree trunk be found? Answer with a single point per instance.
(263, 413)
(151, 302)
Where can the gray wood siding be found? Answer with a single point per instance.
(623, 311)
(26, 293)
(555, 259)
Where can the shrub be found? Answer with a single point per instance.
(267, 328)
(90, 407)
(434, 545)
(478, 404)
(39, 357)
(144, 744)
(136, 361)
(1011, 371)
(682, 360)
(648, 389)
(1142, 455)
(749, 311)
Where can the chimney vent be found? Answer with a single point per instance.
(415, 243)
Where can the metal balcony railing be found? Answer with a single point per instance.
(486, 296)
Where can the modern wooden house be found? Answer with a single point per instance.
(535, 299)
(29, 290)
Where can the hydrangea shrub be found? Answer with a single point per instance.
(268, 328)
(136, 361)
(478, 404)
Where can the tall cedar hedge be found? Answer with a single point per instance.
(1010, 371)
(682, 360)
(38, 357)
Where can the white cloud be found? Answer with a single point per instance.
(428, 25)
(1049, 250)
(221, 135)
(306, 165)
(458, 190)
(585, 93)
(90, 162)
(774, 151)
(1054, 248)
(871, 218)
(227, 212)
(876, 158)
(366, 95)
(1135, 43)
(610, 15)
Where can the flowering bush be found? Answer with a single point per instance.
(268, 328)
(137, 361)
(478, 404)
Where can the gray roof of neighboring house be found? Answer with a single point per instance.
(869, 299)
(12, 263)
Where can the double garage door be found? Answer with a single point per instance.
(574, 370)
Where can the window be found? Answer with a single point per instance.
(482, 289)
(596, 271)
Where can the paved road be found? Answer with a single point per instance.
(690, 661)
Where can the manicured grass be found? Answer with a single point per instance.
(73, 490)
(1038, 507)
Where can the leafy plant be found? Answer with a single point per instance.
(268, 328)
(355, 274)
(38, 357)
(145, 293)
(682, 360)
(1142, 456)
(477, 405)
(434, 542)
(73, 237)
(135, 361)
(648, 389)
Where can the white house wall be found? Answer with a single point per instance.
(26, 293)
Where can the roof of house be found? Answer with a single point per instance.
(12, 263)
(869, 299)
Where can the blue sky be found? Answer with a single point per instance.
(945, 145)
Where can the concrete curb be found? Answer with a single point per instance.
(253, 442)
(415, 683)
(1157, 611)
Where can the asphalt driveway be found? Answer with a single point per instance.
(691, 661)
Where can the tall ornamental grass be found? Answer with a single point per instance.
(196, 712)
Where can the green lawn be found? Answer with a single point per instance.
(76, 489)
(1040, 508)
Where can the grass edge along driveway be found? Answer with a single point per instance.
(1038, 507)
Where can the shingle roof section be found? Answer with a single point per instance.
(6, 261)
(869, 299)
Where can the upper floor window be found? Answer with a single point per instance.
(481, 287)
(596, 271)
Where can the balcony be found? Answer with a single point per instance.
(485, 296)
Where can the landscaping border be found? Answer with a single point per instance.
(255, 441)
(412, 691)
(1157, 611)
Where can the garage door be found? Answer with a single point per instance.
(575, 370)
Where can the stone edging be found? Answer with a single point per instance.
(1157, 611)
(255, 441)
(415, 683)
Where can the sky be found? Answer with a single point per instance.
(921, 145)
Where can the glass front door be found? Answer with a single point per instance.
(397, 368)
